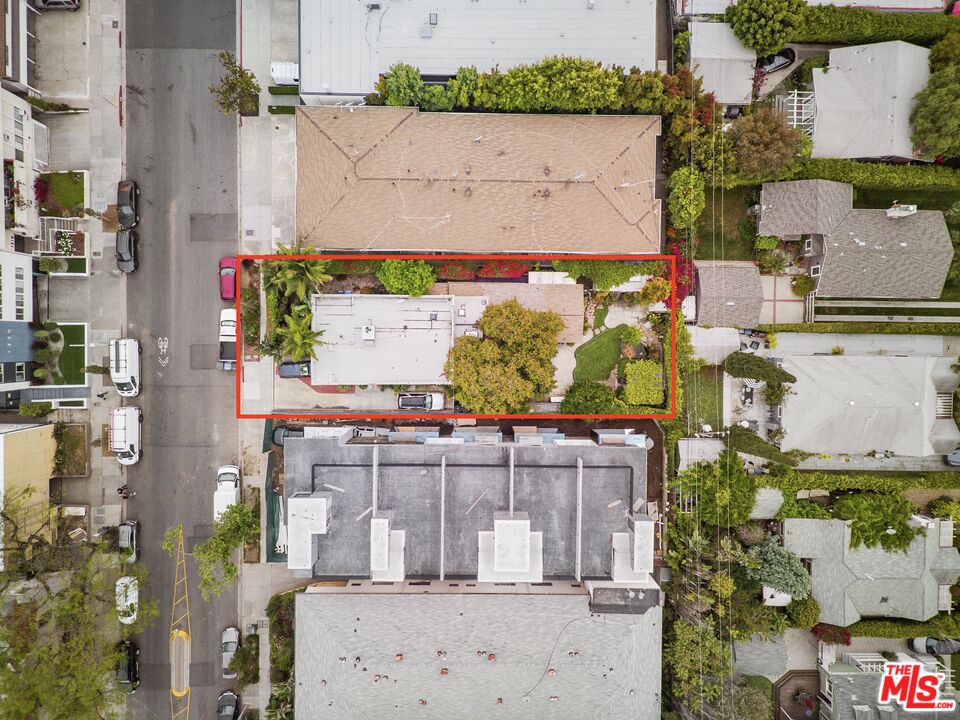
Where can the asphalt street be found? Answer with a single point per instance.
(183, 153)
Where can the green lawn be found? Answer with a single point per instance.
(914, 312)
(703, 397)
(65, 196)
(717, 226)
(73, 356)
(597, 357)
(599, 315)
(760, 682)
(77, 265)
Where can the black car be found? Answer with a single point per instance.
(281, 433)
(290, 369)
(127, 250)
(772, 63)
(128, 666)
(127, 204)
(227, 705)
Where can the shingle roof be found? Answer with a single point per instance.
(864, 99)
(798, 207)
(872, 255)
(728, 294)
(721, 60)
(497, 650)
(383, 178)
(565, 300)
(850, 583)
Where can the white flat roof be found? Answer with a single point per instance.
(345, 45)
(382, 339)
(722, 61)
(306, 517)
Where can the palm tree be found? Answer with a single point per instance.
(296, 278)
(297, 339)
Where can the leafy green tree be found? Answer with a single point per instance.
(214, 557)
(606, 274)
(406, 277)
(697, 663)
(298, 340)
(404, 86)
(511, 365)
(765, 25)
(725, 493)
(936, 114)
(803, 613)
(238, 90)
(946, 52)
(565, 84)
(781, 570)
(586, 397)
(655, 290)
(713, 154)
(437, 98)
(686, 200)
(722, 585)
(764, 144)
(294, 280)
(463, 87)
(877, 519)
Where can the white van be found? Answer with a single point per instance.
(125, 366)
(125, 434)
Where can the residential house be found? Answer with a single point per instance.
(851, 583)
(385, 178)
(718, 7)
(26, 465)
(513, 564)
(884, 404)
(728, 293)
(899, 252)
(25, 156)
(17, 311)
(18, 39)
(724, 64)
(346, 45)
(850, 686)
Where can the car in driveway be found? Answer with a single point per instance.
(227, 705)
(128, 599)
(953, 459)
(127, 250)
(420, 401)
(128, 204)
(290, 369)
(229, 642)
(282, 432)
(128, 666)
(936, 646)
(228, 278)
(778, 61)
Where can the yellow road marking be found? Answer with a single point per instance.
(180, 637)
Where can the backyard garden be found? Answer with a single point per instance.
(59, 354)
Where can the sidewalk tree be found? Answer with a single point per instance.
(238, 91)
(764, 145)
(935, 118)
(215, 556)
(406, 277)
(765, 25)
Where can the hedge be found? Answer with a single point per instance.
(879, 328)
(745, 441)
(282, 109)
(942, 625)
(754, 367)
(853, 26)
(790, 481)
(284, 89)
(864, 174)
(644, 384)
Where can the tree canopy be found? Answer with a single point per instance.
(686, 199)
(697, 661)
(877, 519)
(725, 493)
(587, 397)
(936, 114)
(238, 90)
(406, 277)
(215, 555)
(946, 52)
(764, 145)
(754, 367)
(765, 25)
(781, 570)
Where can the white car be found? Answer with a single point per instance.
(229, 642)
(128, 599)
(228, 489)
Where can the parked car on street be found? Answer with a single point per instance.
(125, 366)
(57, 4)
(282, 432)
(229, 642)
(227, 706)
(420, 401)
(228, 278)
(124, 434)
(128, 666)
(936, 646)
(228, 339)
(953, 459)
(128, 599)
(127, 250)
(129, 540)
(228, 489)
(127, 204)
(290, 369)
(778, 61)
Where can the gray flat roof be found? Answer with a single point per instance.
(477, 485)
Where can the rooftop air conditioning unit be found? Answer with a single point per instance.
(901, 211)
(368, 333)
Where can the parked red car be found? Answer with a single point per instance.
(228, 279)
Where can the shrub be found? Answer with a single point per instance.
(751, 534)
(41, 373)
(246, 662)
(55, 336)
(763, 143)
(607, 274)
(854, 26)
(873, 516)
(945, 508)
(877, 175)
(655, 290)
(456, 270)
(831, 634)
(586, 397)
(281, 612)
(804, 613)
(34, 409)
(504, 269)
(686, 200)
(565, 84)
(436, 98)
(942, 625)
(644, 384)
(765, 25)
(722, 585)
(772, 262)
(774, 393)
(804, 74)
(934, 114)
(43, 356)
(632, 335)
(946, 51)
(781, 570)
(404, 85)
(406, 277)
(41, 189)
(463, 86)
(681, 48)
(802, 285)
(836, 350)
(754, 367)
(765, 242)
(724, 492)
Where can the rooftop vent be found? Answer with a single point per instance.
(368, 333)
(901, 211)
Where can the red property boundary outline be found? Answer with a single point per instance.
(670, 259)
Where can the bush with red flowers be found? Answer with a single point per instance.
(456, 270)
(831, 634)
(685, 273)
(504, 269)
(41, 190)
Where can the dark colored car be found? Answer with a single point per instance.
(295, 369)
(57, 4)
(127, 204)
(128, 666)
(281, 433)
(772, 63)
(953, 459)
(228, 279)
(227, 705)
(127, 250)
(936, 646)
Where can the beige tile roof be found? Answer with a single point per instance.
(565, 300)
(383, 178)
